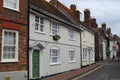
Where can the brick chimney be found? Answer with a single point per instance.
(93, 23)
(109, 31)
(86, 15)
(75, 12)
(103, 26)
(73, 7)
(54, 2)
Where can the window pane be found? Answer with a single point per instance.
(6, 38)
(41, 20)
(54, 60)
(54, 32)
(72, 55)
(54, 55)
(36, 26)
(41, 28)
(9, 46)
(14, 38)
(14, 3)
(36, 19)
(11, 3)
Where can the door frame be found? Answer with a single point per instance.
(30, 63)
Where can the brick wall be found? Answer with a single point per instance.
(13, 20)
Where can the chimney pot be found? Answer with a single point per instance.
(103, 26)
(73, 7)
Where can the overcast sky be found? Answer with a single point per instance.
(103, 10)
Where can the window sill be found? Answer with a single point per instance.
(39, 32)
(9, 61)
(17, 10)
(71, 39)
(72, 61)
(58, 63)
(85, 59)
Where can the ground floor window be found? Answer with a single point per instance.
(9, 45)
(54, 55)
(72, 55)
(84, 53)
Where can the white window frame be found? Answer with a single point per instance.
(6, 5)
(72, 55)
(71, 32)
(84, 51)
(39, 23)
(53, 56)
(52, 28)
(16, 49)
(84, 36)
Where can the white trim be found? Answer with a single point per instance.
(58, 56)
(39, 25)
(40, 32)
(51, 28)
(16, 50)
(30, 64)
(74, 59)
(58, 63)
(8, 7)
(73, 33)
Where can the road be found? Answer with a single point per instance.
(109, 71)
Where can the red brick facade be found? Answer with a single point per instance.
(15, 20)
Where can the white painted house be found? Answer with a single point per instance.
(111, 49)
(49, 56)
(88, 47)
(104, 49)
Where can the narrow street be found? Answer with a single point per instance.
(109, 71)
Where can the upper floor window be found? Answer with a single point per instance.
(39, 24)
(84, 35)
(54, 28)
(11, 4)
(54, 55)
(72, 55)
(71, 34)
(9, 46)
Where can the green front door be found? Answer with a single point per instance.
(35, 64)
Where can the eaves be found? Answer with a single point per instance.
(38, 11)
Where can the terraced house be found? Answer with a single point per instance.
(13, 39)
(54, 41)
(87, 44)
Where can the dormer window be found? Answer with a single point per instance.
(11, 4)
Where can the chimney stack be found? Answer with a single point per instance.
(109, 31)
(103, 26)
(93, 23)
(75, 12)
(54, 2)
(73, 7)
(87, 15)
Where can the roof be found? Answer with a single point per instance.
(45, 7)
(69, 14)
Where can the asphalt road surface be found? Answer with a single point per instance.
(109, 71)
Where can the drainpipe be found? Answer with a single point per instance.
(81, 49)
(28, 39)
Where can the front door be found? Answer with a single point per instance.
(35, 64)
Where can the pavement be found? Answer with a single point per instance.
(74, 73)
(110, 70)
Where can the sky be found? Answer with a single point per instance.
(107, 11)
